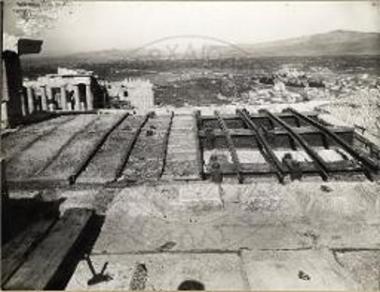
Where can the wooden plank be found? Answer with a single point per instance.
(76, 153)
(14, 253)
(43, 151)
(164, 150)
(44, 262)
(105, 165)
(146, 160)
(25, 137)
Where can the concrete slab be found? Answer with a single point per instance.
(351, 235)
(192, 216)
(364, 266)
(163, 272)
(327, 203)
(295, 270)
(84, 199)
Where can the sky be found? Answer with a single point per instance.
(97, 25)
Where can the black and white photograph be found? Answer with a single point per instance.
(190, 145)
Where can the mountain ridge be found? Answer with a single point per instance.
(332, 43)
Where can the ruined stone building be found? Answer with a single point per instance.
(138, 92)
(76, 90)
(67, 90)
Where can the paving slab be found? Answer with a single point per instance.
(364, 265)
(163, 271)
(351, 235)
(194, 217)
(331, 202)
(296, 270)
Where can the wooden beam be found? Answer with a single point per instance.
(15, 252)
(43, 151)
(44, 262)
(147, 156)
(367, 162)
(105, 166)
(197, 117)
(231, 147)
(75, 156)
(14, 143)
(268, 154)
(301, 130)
(165, 144)
(129, 148)
(318, 160)
(336, 167)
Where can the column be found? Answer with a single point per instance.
(89, 98)
(29, 94)
(49, 96)
(44, 103)
(76, 98)
(4, 115)
(51, 104)
(23, 105)
(70, 105)
(63, 98)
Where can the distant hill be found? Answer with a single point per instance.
(338, 42)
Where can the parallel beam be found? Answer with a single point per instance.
(231, 147)
(279, 132)
(197, 116)
(318, 160)
(128, 150)
(263, 144)
(368, 163)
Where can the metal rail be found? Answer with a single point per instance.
(263, 144)
(367, 163)
(318, 161)
(231, 147)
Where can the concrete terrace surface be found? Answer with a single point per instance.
(302, 235)
(164, 224)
